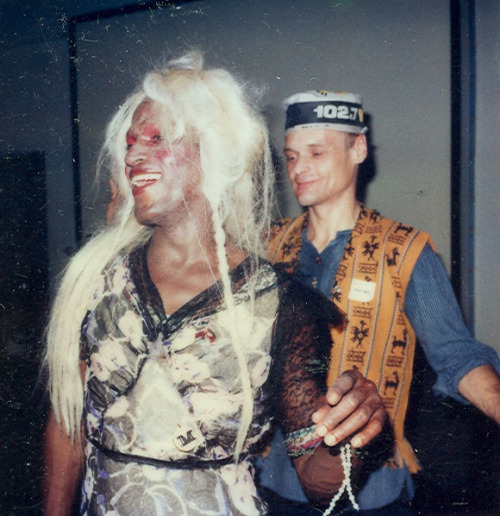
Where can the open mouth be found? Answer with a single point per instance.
(143, 179)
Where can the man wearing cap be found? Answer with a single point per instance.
(384, 275)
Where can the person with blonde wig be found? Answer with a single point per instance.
(173, 345)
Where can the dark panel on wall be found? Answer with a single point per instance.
(23, 302)
(23, 249)
(463, 130)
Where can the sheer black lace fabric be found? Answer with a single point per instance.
(302, 338)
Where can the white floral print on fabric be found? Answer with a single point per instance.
(170, 397)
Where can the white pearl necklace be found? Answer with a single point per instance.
(345, 456)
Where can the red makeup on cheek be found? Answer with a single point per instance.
(177, 152)
(163, 153)
(130, 139)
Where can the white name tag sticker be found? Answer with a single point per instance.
(362, 290)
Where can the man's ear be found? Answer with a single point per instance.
(360, 148)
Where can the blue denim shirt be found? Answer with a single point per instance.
(434, 314)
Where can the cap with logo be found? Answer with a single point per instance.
(325, 110)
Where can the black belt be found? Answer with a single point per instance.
(191, 463)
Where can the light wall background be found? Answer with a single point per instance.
(395, 53)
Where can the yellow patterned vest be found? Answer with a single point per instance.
(370, 288)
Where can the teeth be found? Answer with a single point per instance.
(144, 178)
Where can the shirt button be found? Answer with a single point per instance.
(318, 260)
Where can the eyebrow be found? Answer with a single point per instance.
(309, 146)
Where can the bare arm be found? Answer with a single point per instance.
(321, 474)
(353, 407)
(481, 386)
(63, 467)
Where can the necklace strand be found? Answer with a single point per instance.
(345, 456)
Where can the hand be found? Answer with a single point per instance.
(353, 407)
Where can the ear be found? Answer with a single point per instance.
(360, 148)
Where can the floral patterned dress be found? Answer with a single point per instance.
(163, 394)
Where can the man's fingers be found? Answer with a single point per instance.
(343, 384)
(349, 409)
(354, 408)
(370, 428)
(320, 414)
(370, 431)
(362, 401)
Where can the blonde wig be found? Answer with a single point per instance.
(214, 110)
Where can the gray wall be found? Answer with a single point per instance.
(487, 175)
(395, 54)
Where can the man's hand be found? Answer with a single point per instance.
(354, 407)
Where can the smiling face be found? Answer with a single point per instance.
(322, 164)
(165, 177)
